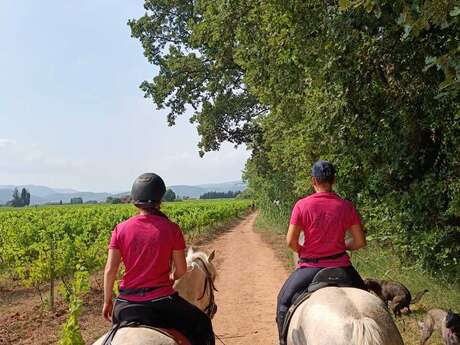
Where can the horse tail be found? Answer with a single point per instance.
(418, 297)
(366, 332)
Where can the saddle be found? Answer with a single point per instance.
(178, 337)
(326, 277)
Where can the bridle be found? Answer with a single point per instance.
(211, 308)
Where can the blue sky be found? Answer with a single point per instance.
(71, 111)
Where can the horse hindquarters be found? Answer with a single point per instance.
(343, 316)
(138, 336)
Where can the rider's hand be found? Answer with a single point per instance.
(107, 310)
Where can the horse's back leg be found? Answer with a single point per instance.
(426, 330)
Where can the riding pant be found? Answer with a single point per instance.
(297, 283)
(168, 312)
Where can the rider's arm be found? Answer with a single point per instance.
(292, 237)
(110, 273)
(358, 239)
(180, 264)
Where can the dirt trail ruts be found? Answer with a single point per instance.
(249, 278)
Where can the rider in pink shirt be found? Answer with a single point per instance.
(323, 218)
(147, 241)
(148, 244)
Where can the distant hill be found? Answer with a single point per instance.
(44, 194)
(187, 191)
(39, 191)
(196, 191)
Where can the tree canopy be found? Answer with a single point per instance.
(19, 199)
(371, 85)
(220, 195)
(169, 195)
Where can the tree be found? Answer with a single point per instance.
(372, 86)
(19, 200)
(169, 195)
(25, 197)
(76, 200)
(197, 70)
(16, 201)
(219, 195)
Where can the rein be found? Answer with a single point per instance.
(210, 310)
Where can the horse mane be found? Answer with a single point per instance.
(193, 255)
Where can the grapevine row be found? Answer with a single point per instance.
(40, 245)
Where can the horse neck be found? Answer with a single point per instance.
(191, 285)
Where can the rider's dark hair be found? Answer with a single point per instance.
(323, 171)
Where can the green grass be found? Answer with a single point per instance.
(383, 263)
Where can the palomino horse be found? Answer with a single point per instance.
(196, 286)
(342, 316)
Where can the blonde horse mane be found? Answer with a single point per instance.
(195, 255)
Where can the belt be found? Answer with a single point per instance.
(316, 260)
(138, 291)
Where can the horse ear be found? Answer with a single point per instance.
(211, 256)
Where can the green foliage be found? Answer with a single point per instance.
(71, 334)
(197, 68)
(59, 241)
(169, 195)
(76, 201)
(220, 195)
(19, 200)
(113, 200)
(371, 85)
(375, 261)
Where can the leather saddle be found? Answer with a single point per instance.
(330, 277)
(326, 277)
(139, 308)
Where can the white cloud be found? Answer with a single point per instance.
(22, 163)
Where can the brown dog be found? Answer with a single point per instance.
(394, 294)
(446, 321)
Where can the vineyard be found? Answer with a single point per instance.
(49, 244)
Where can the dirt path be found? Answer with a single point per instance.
(249, 278)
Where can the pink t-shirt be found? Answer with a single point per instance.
(146, 243)
(324, 218)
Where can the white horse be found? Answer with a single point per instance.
(342, 316)
(196, 286)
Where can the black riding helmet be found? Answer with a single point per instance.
(148, 189)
